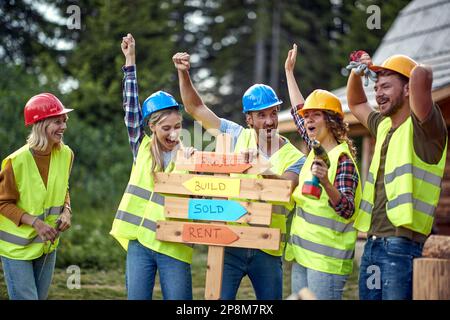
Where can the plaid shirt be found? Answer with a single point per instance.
(133, 113)
(346, 180)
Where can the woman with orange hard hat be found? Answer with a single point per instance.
(34, 200)
(322, 237)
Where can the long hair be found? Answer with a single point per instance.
(155, 146)
(37, 139)
(339, 129)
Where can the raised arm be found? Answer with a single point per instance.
(420, 98)
(295, 95)
(192, 101)
(133, 114)
(356, 97)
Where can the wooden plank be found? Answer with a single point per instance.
(208, 234)
(213, 162)
(214, 272)
(257, 213)
(255, 189)
(248, 237)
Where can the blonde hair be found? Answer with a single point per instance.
(340, 130)
(37, 139)
(155, 146)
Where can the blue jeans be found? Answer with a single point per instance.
(22, 277)
(387, 267)
(264, 270)
(325, 286)
(142, 264)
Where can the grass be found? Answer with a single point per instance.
(110, 284)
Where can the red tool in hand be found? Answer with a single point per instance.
(312, 189)
(356, 55)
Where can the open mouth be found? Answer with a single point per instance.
(171, 143)
(311, 129)
(382, 102)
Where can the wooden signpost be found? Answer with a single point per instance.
(219, 209)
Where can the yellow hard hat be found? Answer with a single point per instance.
(398, 63)
(322, 100)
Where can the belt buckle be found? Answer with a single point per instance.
(373, 238)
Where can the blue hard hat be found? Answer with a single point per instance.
(259, 97)
(158, 101)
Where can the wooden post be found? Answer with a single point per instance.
(214, 265)
(431, 276)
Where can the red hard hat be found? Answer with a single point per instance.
(41, 106)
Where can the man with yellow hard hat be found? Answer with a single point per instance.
(404, 180)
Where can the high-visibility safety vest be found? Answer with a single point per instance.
(412, 185)
(281, 160)
(320, 239)
(141, 208)
(23, 242)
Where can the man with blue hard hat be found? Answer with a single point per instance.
(260, 106)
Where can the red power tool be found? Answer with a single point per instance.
(312, 189)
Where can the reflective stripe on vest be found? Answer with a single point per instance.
(325, 222)
(417, 204)
(412, 186)
(280, 160)
(145, 194)
(320, 239)
(11, 238)
(321, 249)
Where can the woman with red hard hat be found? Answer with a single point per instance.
(134, 226)
(322, 237)
(34, 200)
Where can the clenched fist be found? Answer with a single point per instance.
(181, 61)
(128, 49)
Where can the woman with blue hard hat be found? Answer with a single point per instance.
(35, 201)
(134, 226)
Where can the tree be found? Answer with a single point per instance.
(355, 35)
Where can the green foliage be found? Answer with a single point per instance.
(97, 59)
(16, 87)
(88, 243)
(102, 163)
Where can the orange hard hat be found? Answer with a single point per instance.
(41, 106)
(322, 100)
(398, 63)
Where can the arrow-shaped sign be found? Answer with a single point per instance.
(219, 235)
(215, 210)
(206, 233)
(209, 186)
(212, 162)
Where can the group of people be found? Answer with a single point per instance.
(395, 208)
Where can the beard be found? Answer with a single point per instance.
(393, 108)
